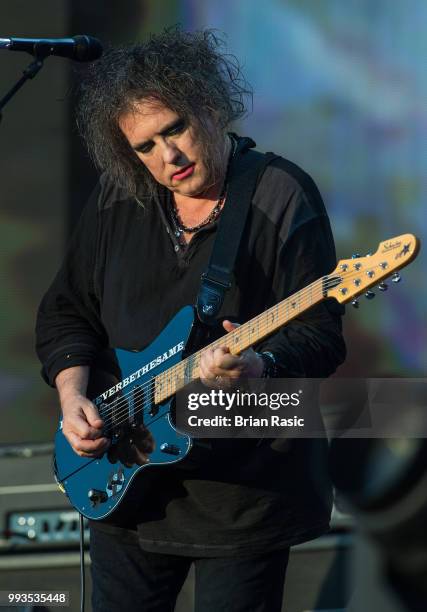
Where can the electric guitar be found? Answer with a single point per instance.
(142, 399)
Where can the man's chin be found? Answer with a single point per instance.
(190, 189)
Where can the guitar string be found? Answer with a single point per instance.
(156, 417)
(260, 330)
(136, 408)
(220, 341)
(123, 401)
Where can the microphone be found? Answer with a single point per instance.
(79, 48)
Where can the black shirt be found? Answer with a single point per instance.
(124, 278)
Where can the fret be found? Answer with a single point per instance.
(272, 317)
(170, 381)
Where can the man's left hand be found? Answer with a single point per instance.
(219, 367)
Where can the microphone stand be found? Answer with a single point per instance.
(29, 73)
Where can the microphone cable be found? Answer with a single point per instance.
(82, 565)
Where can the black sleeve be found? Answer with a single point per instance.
(311, 345)
(69, 331)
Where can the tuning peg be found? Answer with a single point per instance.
(383, 286)
(369, 295)
(355, 303)
(369, 254)
(355, 255)
(396, 278)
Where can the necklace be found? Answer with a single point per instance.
(180, 227)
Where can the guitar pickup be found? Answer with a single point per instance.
(136, 411)
(153, 410)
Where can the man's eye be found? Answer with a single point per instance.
(178, 128)
(144, 148)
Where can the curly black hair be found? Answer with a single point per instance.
(187, 72)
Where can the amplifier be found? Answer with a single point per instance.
(28, 528)
(39, 539)
(33, 512)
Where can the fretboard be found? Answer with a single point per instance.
(173, 379)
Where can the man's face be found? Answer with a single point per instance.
(167, 146)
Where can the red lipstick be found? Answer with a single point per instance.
(184, 173)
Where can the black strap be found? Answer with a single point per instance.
(246, 169)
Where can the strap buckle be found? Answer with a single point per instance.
(210, 298)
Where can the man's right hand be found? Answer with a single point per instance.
(82, 426)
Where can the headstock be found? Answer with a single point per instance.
(354, 276)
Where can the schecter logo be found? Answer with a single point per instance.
(390, 246)
(144, 370)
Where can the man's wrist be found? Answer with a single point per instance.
(72, 382)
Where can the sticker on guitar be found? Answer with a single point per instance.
(140, 372)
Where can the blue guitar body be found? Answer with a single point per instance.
(95, 487)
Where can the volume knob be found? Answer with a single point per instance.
(96, 496)
(170, 449)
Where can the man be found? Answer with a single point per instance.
(155, 117)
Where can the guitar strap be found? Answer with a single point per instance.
(245, 172)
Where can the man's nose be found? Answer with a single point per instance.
(171, 153)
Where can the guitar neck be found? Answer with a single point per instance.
(175, 378)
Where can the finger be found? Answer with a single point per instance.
(202, 373)
(211, 383)
(78, 424)
(126, 454)
(140, 457)
(207, 374)
(206, 359)
(87, 448)
(144, 440)
(223, 360)
(215, 376)
(225, 382)
(218, 356)
(129, 453)
(92, 415)
(210, 379)
(229, 326)
(206, 366)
